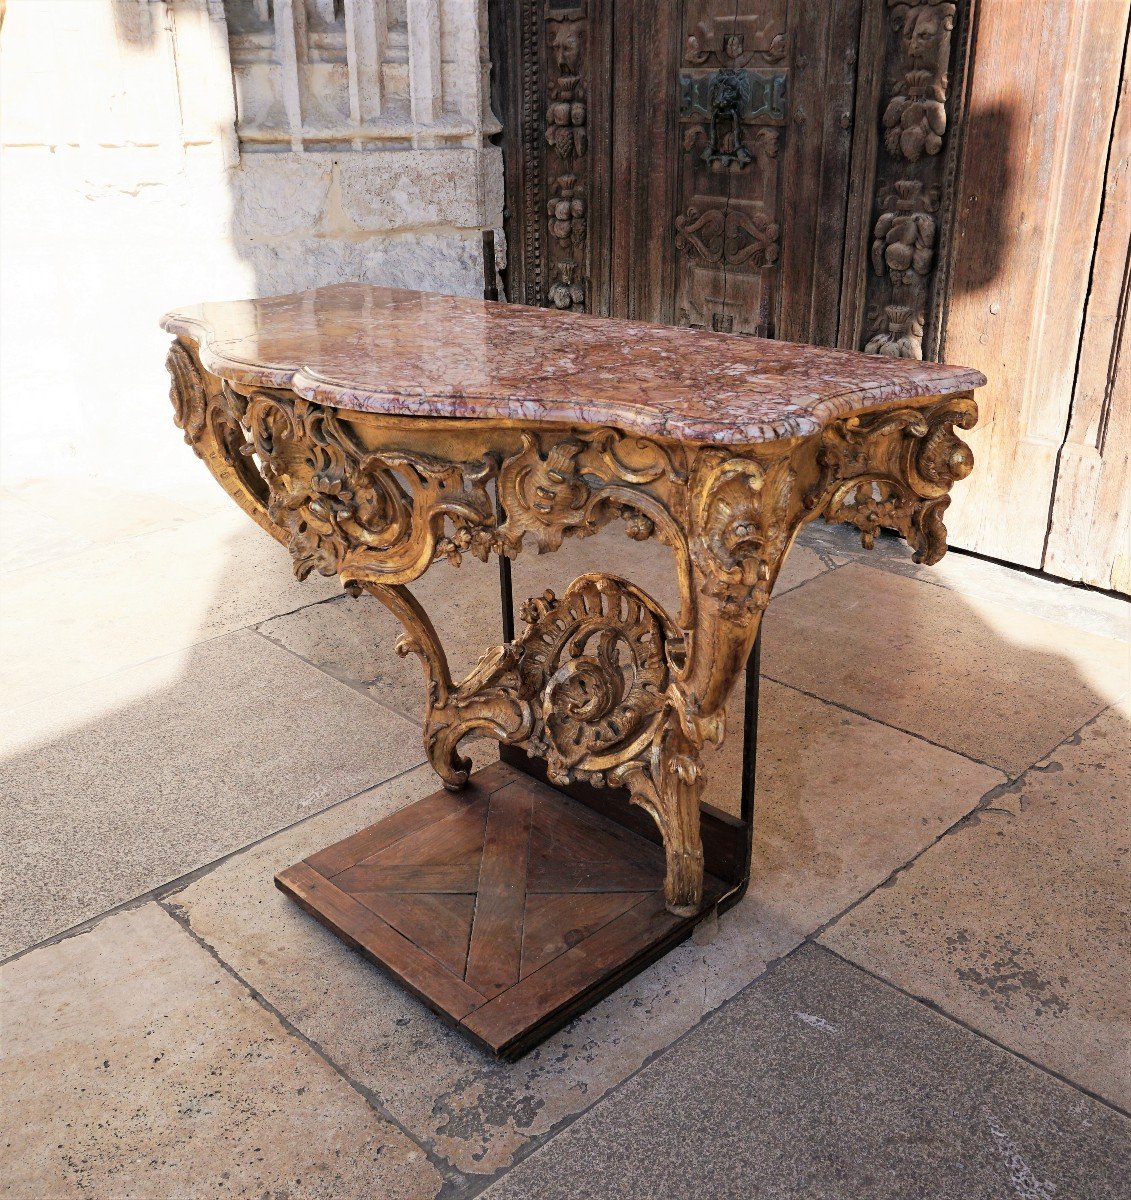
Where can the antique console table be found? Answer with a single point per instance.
(376, 432)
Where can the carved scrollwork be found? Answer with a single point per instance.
(760, 36)
(186, 391)
(599, 660)
(740, 527)
(578, 486)
(602, 683)
(490, 700)
(209, 413)
(729, 236)
(894, 470)
(350, 512)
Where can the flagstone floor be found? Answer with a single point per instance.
(924, 994)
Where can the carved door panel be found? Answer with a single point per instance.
(684, 162)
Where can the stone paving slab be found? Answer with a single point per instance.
(133, 1065)
(993, 683)
(80, 617)
(103, 513)
(117, 787)
(842, 803)
(1019, 921)
(28, 537)
(1086, 609)
(819, 1081)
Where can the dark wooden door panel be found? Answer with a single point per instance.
(684, 163)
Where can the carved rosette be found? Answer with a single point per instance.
(602, 683)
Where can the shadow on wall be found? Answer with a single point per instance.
(984, 239)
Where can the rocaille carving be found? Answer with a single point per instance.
(894, 470)
(602, 683)
(345, 508)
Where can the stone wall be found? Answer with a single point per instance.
(142, 170)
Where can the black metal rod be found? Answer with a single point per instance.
(506, 595)
(750, 731)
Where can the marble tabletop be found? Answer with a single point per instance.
(387, 350)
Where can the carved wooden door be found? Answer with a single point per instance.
(682, 162)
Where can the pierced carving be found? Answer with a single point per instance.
(599, 660)
(915, 118)
(894, 470)
(347, 511)
(732, 236)
(578, 486)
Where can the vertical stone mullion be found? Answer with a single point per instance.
(288, 14)
(424, 61)
(366, 30)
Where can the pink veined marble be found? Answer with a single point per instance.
(387, 350)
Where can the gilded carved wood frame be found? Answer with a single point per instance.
(603, 684)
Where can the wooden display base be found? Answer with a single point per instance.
(507, 908)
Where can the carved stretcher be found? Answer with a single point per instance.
(376, 432)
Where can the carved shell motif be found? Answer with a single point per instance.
(598, 659)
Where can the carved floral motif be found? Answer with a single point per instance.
(895, 470)
(897, 334)
(904, 237)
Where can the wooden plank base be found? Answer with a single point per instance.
(507, 908)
